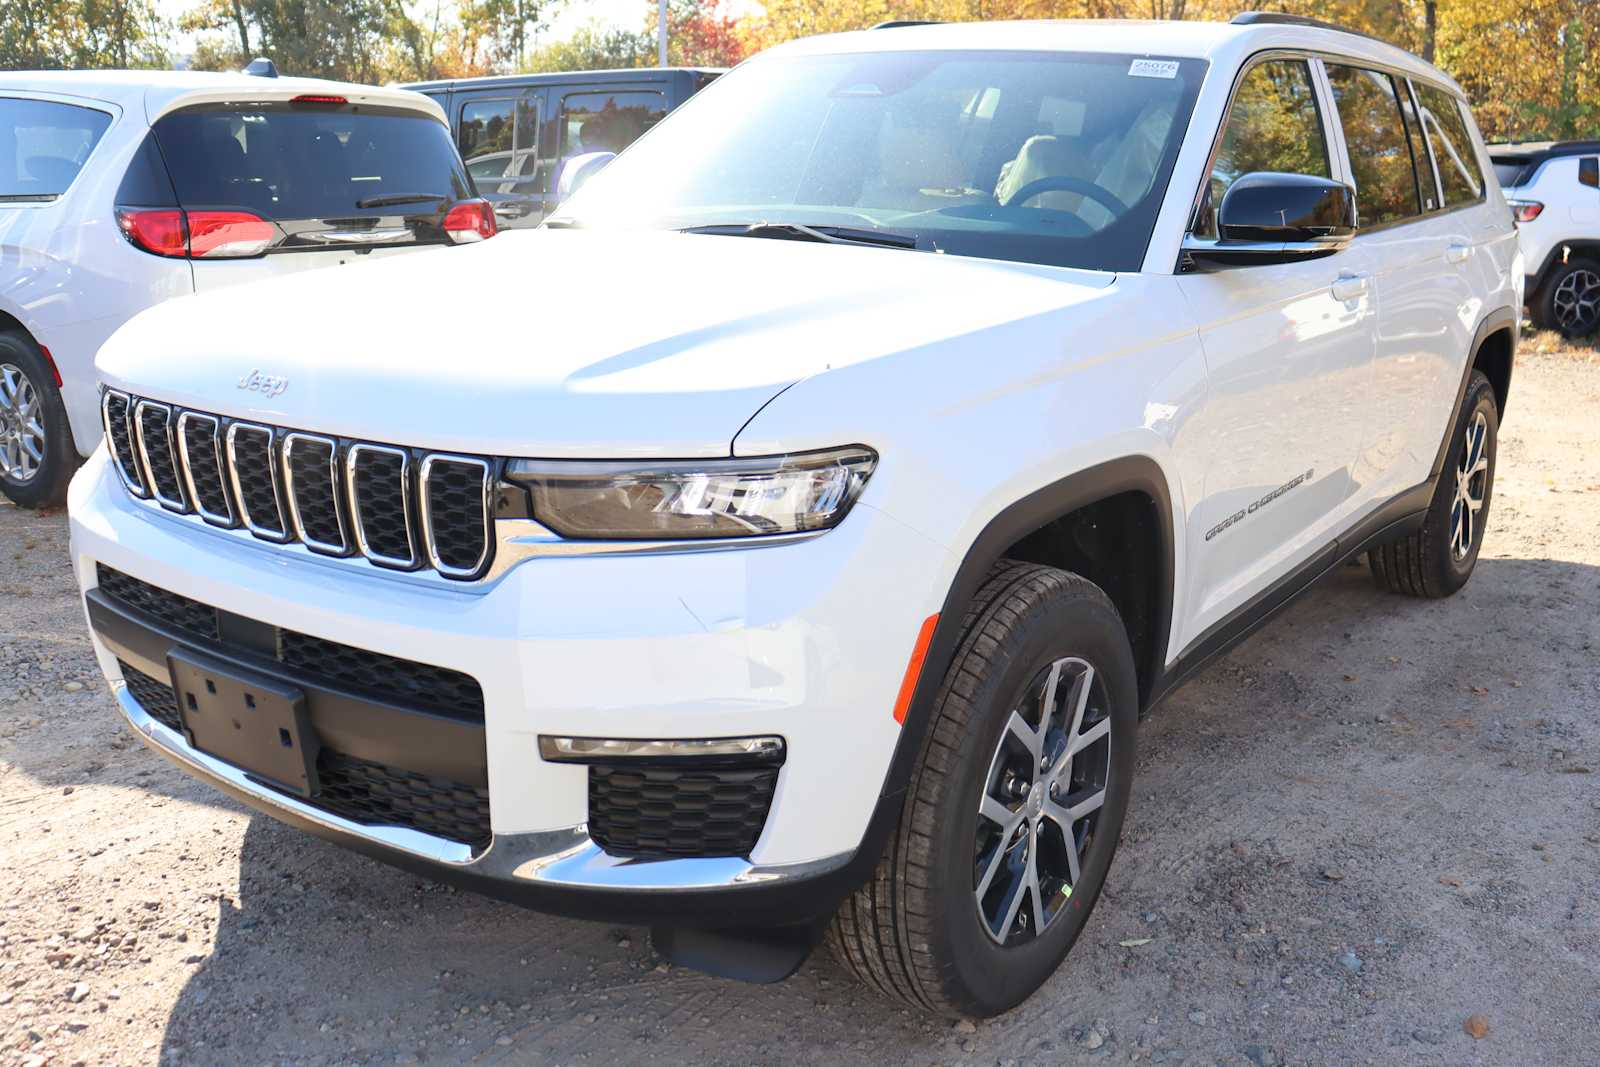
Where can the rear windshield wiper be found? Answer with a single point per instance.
(833, 235)
(399, 198)
(28, 198)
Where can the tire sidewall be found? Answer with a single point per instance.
(986, 976)
(48, 485)
(1480, 398)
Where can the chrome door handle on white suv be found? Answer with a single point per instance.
(1350, 287)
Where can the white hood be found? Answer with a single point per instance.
(564, 343)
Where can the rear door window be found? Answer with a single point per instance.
(1380, 149)
(607, 122)
(1452, 146)
(43, 146)
(315, 170)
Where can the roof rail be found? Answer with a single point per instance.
(895, 24)
(1279, 18)
(262, 67)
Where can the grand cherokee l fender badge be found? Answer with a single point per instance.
(265, 384)
(1257, 505)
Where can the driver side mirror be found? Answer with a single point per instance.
(579, 169)
(1269, 217)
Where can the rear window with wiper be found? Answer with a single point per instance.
(43, 146)
(315, 169)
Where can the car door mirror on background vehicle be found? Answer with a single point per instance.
(579, 169)
(1267, 217)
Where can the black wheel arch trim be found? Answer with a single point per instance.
(1557, 256)
(1503, 318)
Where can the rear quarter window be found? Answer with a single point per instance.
(1453, 150)
(43, 146)
(291, 162)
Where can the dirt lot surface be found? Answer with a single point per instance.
(1377, 819)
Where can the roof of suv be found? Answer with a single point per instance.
(1225, 43)
(162, 90)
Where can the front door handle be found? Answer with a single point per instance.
(1457, 253)
(1347, 287)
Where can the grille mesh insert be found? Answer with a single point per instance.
(204, 457)
(122, 440)
(672, 811)
(158, 453)
(316, 496)
(380, 492)
(399, 681)
(456, 514)
(156, 697)
(252, 462)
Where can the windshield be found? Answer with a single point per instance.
(43, 145)
(1055, 158)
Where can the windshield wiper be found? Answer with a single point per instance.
(833, 235)
(399, 198)
(28, 198)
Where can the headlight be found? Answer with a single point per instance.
(646, 500)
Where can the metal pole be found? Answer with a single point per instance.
(661, 32)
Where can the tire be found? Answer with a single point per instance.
(1569, 300)
(914, 931)
(32, 420)
(1437, 560)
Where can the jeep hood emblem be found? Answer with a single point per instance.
(265, 384)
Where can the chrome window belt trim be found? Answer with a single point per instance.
(565, 858)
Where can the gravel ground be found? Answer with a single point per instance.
(1371, 834)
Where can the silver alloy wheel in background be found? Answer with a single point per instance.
(1577, 302)
(1472, 485)
(22, 440)
(1041, 801)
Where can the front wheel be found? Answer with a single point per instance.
(37, 456)
(1013, 813)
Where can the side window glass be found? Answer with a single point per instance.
(1380, 152)
(487, 139)
(1589, 171)
(1273, 125)
(607, 122)
(526, 161)
(1453, 151)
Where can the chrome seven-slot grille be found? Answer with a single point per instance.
(398, 508)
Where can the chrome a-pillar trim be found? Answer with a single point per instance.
(562, 858)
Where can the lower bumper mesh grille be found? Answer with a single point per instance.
(645, 811)
(359, 790)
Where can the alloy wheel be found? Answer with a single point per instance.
(22, 439)
(1472, 485)
(1041, 801)
(1577, 302)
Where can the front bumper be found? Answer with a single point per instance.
(806, 641)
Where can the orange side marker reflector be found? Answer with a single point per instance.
(919, 652)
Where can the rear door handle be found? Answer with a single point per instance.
(1348, 287)
(1458, 253)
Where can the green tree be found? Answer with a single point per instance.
(595, 46)
(81, 34)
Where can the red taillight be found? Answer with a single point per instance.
(315, 98)
(228, 234)
(208, 234)
(161, 231)
(470, 220)
(1525, 210)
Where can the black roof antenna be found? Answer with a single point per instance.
(262, 67)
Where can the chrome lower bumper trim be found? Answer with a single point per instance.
(557, 859)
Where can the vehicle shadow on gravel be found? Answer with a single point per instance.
(1297, 870)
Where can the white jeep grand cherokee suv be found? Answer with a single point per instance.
(886, 431)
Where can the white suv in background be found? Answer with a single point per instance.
(1554, 191)
(925, 404)
(120, 189)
